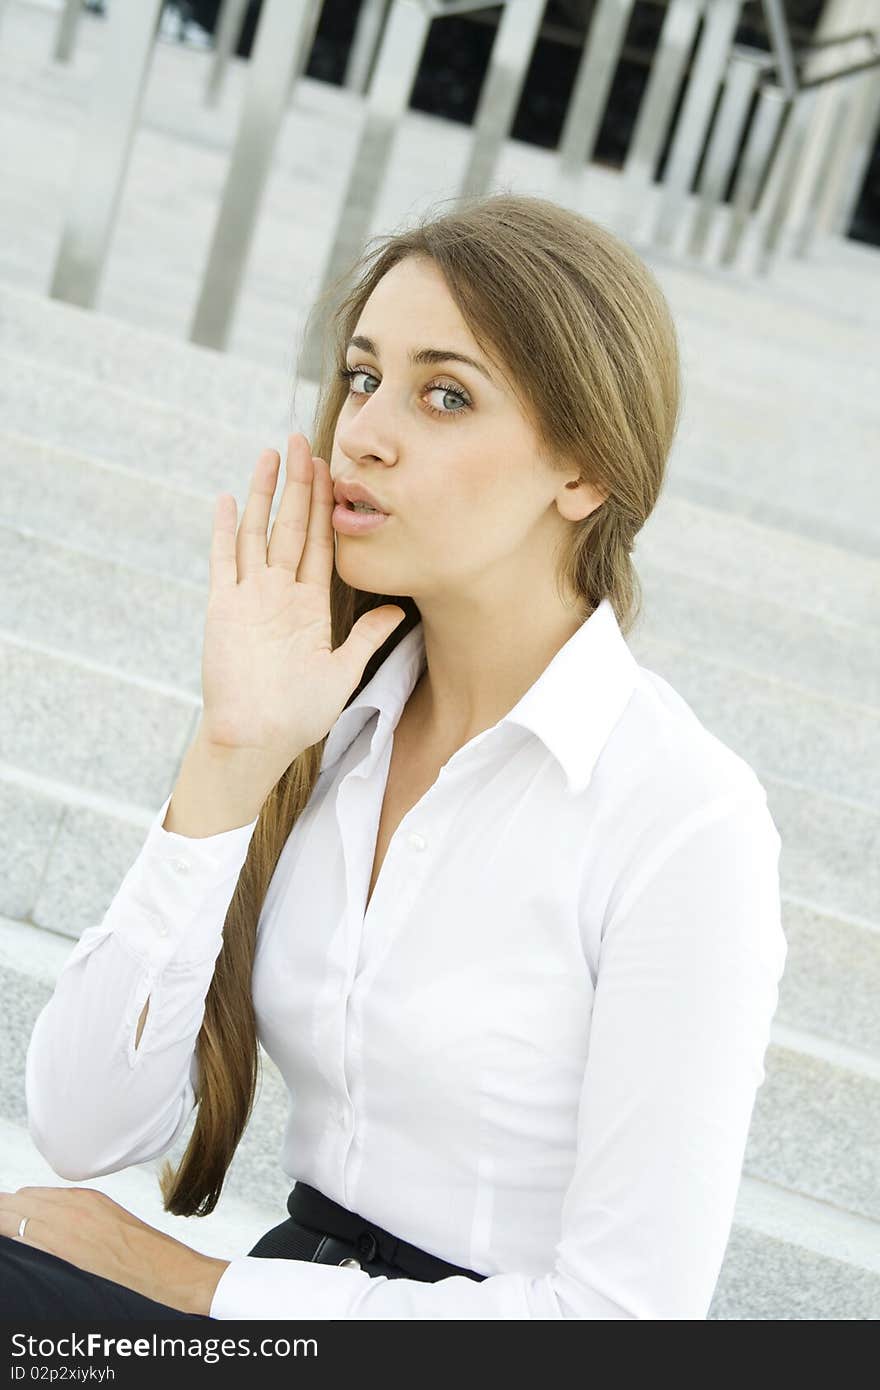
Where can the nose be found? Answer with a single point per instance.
(369, 432)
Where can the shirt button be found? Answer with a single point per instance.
(180, 866)
(417, 841)
(351, 1264)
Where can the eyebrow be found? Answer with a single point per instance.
(423, 356)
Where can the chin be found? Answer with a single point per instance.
(356, 568)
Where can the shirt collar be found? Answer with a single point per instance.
(572, 706)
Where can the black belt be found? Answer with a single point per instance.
(310, 1208)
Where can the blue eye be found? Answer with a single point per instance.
(348, 373)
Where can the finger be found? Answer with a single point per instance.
(32, 1197)
(221, 562)
(10, 1222)
(251, 543)
(291, 524)
(316, 565)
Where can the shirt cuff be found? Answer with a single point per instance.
(172, 903)
(252, 1286)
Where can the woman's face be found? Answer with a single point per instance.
(446, 450)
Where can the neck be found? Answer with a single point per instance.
(479, 669)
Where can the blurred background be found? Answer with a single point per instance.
(177, 184)
(455, 57)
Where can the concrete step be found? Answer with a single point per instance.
(831, 982)
(779, 725)
(774, 1228)
(164, 444)
(229, 390)
(757, 560)
(790, 1257)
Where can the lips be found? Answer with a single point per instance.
(346, 491)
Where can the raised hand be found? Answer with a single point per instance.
(272, 684)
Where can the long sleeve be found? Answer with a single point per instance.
(96, 1102)
(687, 985)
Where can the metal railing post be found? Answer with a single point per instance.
(308, 44)
(65, 32)
(773, 208)
(283, 27)
(866, 119)
(227, 31)
(394, 74)
(364, 45)
(739, 89)
(104, 148)
(586, 106)
(719, 26)
(754, 162)
(780, 42)
(804, 233)
(655, 112)
(500, 93)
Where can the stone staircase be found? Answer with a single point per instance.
(760, 567)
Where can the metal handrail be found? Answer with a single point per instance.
(838, 38)
(785, 158)
(780, 42)
(778, 81)
(770, 61)
(787, 58)
(840, 72)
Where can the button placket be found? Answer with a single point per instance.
(407, 886)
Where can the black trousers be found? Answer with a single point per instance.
(35, 1284)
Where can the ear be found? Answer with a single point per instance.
(577, 499)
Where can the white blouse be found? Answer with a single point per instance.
(535, 1054)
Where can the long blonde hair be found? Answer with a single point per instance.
(587, 339)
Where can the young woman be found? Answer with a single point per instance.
(505, 914)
